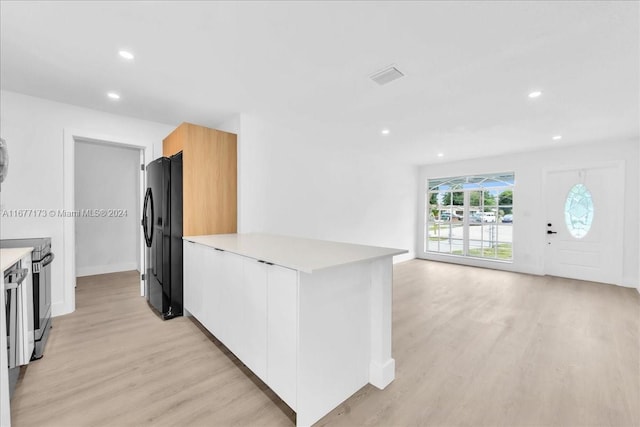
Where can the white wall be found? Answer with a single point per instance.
(297, 183)
(529, 237)
(107, 177)
(33, 129)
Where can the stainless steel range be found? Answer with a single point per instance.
(41, 259)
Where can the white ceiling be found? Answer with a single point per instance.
(469, 67)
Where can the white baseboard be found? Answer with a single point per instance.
(629, 283)
(104, 269)
(479, 262)
(382, 375)
(404, 257)
(60, 309)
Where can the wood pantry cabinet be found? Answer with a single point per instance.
(209, 161)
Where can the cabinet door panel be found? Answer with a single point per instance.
(25, 313)
(193, 278)
(211, 283)
(230, 308)
(282, 332)
(254, 350)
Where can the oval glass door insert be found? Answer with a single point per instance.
(578, 211)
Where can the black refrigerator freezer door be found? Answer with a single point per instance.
(156, 222)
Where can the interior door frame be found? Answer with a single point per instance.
(70, 138)
(619, 166)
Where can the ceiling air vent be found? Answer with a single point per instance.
(387, 75)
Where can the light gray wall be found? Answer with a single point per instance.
(34, 130)
(106, 178)
(295, 182)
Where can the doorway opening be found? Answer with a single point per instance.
(106, 204)
(103, 182)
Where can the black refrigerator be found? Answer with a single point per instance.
(162, 226)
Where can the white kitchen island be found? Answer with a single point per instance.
(311, 318)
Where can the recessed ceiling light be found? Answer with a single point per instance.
(113, 95)
(440, 154)
(557, 137)
(535, 94)
(126, 55)
(385, 131)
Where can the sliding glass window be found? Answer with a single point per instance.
(470, 216)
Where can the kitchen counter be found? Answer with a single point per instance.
(311, 318)
(8, 257)
(305, 255)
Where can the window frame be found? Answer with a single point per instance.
(490, 231)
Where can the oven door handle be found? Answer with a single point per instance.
(48, 259)
(11, 286)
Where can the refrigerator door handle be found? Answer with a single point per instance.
(148, 237)
(144, 216)
(48, 259)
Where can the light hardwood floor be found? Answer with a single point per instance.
(473, 347)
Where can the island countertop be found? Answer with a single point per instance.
(10, 256)
(306, 255)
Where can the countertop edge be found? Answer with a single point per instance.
(9, 256)
(293, 266)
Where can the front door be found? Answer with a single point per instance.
(584, 223)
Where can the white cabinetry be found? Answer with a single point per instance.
(270, 325)
(312, 319)
(195, 276)
(25, 313)
(254, 317)
(9, 257)
(225, 317)
(282, 332)
(250, 306)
